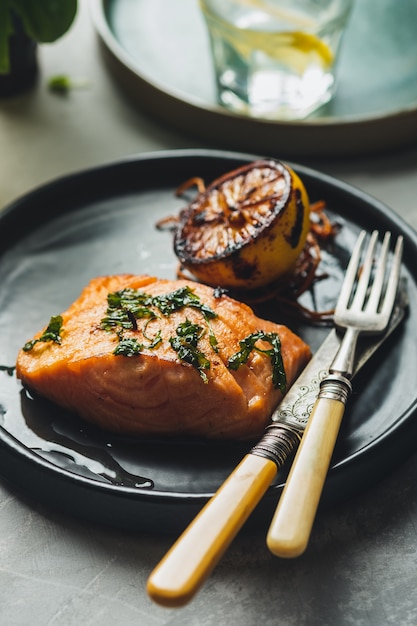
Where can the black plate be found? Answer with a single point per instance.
(102, 221)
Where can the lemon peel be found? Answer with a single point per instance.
(247, 229)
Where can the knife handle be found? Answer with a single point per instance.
(291, 525)
(194, 555)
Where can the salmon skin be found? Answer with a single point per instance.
(140, 355)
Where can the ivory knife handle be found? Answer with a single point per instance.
(194, 555)
(291, 525)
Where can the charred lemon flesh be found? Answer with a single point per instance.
(247, 229)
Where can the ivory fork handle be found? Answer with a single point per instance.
(291, 525)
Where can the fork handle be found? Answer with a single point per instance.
(291, 525)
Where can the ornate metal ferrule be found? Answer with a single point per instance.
(294, 411)
(278, 443)
(335, 387)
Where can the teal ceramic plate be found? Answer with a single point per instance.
(159, 51)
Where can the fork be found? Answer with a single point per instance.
(364, 306)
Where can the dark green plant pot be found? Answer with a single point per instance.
(23, 63)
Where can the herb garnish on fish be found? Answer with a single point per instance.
(124, 304)
(185, 345)
(180, 298)
(247, 345)
(51, 333)
(129, 346)
(124, 307)
(128, 305)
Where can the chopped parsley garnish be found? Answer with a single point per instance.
(130, 346)
(213, 339)
(126, 304)
(185, 345)
(247, 345)
(51, 333)
(125, 307)
(180, 298)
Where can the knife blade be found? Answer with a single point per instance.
(188, 563)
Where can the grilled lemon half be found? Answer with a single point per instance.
(247, 228)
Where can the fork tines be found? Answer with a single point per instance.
(376, 273)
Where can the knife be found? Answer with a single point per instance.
(188, 563)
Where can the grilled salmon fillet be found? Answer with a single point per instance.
(140, 355)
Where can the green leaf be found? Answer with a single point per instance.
(185, 345)
(6, 30)
(61, 83)
(128, 347)
(45, 20)
(125, 307)
(248, 344)
(51, 333)
(180, 298)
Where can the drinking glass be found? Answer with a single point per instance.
(275, 58)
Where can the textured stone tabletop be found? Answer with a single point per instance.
(361, 565)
